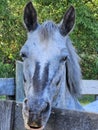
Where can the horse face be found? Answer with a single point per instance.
(44, 55)
(43, 61)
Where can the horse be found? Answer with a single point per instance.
(51, 70)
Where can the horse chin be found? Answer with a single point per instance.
(29, 128)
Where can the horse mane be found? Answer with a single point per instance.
(73, 71)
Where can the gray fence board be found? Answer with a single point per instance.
(59, 119)
(72, 120)
(18, 122)
(7, 86)
(89, 87)
(6, 115)
(64, 120)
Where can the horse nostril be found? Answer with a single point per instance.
(25, 101)
(46, 107)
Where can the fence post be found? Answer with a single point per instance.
(19, 82)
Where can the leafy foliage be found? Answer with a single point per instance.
(85, 34)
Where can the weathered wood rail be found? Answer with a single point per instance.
(15, 86)
(11, 115)
(59, 120)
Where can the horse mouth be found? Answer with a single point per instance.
(34, 127)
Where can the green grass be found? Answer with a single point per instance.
(84, 100)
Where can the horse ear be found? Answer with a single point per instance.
(68, 21)
(30, 17)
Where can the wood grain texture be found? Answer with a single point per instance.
(59, 119)
(72, 120)
(6, 115)
(64, 120)
(18, 122)
(7, 85)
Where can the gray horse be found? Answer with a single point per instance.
(51, 70)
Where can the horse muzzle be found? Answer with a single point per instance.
(35, 114)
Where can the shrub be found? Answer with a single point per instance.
(6, 70)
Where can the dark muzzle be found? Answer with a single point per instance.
(38, 111)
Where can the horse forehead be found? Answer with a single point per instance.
(46, 41)
(44, 50)
(55, 41)
(46, 33)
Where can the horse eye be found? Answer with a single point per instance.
(64, 59)
(23, 55)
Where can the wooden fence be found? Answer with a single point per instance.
(11, 115)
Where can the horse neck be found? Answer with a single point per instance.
(64, 99)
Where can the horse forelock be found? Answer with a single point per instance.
(47, 30)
